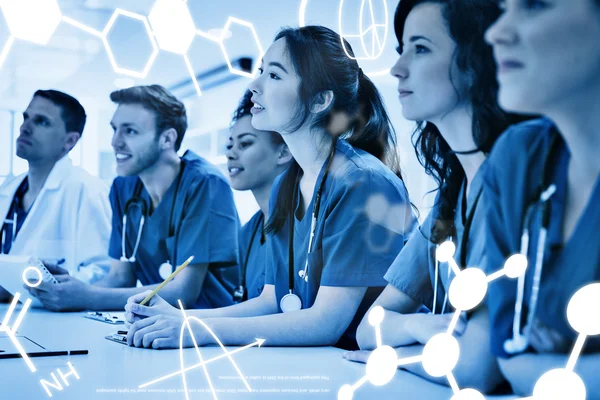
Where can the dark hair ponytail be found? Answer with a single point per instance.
(373, 130)
(320, 61)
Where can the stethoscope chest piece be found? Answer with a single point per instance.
(290, 302)
(517, 344)
(165, 270)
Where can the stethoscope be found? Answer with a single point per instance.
(13, 223)
(291, 301)
(463, 248)
(138, 202)
(241, 293)
(520, 341)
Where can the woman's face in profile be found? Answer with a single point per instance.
(548, 54)
(275, 90)
(426, 67)
(252, 157)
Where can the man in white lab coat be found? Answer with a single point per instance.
(55, 211)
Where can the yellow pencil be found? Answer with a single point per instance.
(178, 270)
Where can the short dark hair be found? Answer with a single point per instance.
(71, 110)
(169, 111)
(243, 110)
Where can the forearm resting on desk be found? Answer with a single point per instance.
(321, 325)
(523, 371)
(297, 328)
(265, 304)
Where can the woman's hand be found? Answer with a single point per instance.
(164, 332)
(156, 306)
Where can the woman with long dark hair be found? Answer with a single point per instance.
(447, 83)
(330, 239)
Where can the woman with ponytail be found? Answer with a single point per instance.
(447, 83)
(339, 215)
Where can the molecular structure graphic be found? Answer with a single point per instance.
(33, 277)
(203, 363)
(169, 27)
(373, 30)
(377, 43)
(11, 331)
(441, 353)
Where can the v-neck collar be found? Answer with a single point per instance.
(168, 196)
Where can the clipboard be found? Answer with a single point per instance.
(12, 269)
(33, 349)
(119, 337)
(105, 317)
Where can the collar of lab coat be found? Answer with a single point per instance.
(58, 174)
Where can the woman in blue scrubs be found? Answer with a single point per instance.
(446, 76)
(549, 61)
(254, 159)
(331, 239)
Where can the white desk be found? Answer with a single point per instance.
(114, 371)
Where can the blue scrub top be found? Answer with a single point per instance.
(255, 269)
(511, 184)
(413, 271)
(349, 248)
(205, 223)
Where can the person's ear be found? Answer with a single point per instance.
(322, 101)
(284, 156)
(168, 139)
(71, 140)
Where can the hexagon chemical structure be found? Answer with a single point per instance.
(136, 74)
(249, 25)
(169, 27)
(172, 25)
(32, 20)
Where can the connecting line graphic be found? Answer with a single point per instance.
(11, 331)
(169, 27)
(377, 44)
(441, 353)
(203, 363)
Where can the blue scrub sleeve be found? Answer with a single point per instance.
(209, 227)
(114, 247)
(410, 271)
(357, 251)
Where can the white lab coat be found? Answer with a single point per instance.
(70, 219)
